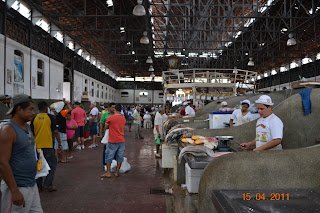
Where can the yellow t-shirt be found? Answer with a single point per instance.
(42, 128)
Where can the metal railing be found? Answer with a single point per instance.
(200, 75)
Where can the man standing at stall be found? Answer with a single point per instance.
(269, 128)
(241, 116)
(189, 110)
(18, 162)
(157, 131)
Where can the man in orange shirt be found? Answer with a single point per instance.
(115, 148)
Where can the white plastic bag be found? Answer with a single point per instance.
(105, 137)
(44, 171)
(125, 166)
(57, 106)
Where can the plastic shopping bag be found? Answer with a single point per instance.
(42, 167)
(158, 141)
(105, 137)
(57, 106)
(125, 166)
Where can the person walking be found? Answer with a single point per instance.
(79, 115)
(43, 125)
(115, 148)
(137, 122)
(18, 162)
(93, 122)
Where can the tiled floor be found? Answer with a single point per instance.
(80, 188)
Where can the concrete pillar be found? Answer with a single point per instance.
(194, 90)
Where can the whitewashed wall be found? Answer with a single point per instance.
(134, 97)
(287, 85)
(80, 84)
(55, 68)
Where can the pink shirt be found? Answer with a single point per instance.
(78, 114)
(70, 132)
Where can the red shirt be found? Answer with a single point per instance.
(78, 114)
(116, 128)
(183, 112)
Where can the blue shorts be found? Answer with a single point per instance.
(93, 128)
(115, 151)
(64, 142)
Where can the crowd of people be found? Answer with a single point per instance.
(53, 130)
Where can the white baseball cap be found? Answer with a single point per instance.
(185, 103)
(224, 103)
(246, 102)
(264, 99)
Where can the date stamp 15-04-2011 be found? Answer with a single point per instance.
(264, 196)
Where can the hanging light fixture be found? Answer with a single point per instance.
(151, 69)
(152, 75)
(291, 41)
(139, 9)
(250, 63)
(144, 39)
(149, 60)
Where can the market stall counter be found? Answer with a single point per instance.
(195, 157)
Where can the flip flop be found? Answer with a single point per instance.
(105, 176)
(117, 175)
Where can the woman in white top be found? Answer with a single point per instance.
(241, 116)
(269, 128)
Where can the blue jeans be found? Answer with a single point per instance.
(115, 151)
(51, 159)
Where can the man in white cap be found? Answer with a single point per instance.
(189, 110)
(269, 128)
(224, 104)
(241, 116)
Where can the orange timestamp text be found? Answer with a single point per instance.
(263, 196)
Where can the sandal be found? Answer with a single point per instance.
(117, 175)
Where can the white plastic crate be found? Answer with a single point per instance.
(193, 178)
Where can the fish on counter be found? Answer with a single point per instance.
(195, 151)
(168, 124)
(176, 134)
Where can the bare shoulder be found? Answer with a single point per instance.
(7, 134)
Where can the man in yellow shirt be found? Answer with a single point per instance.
(43, 125)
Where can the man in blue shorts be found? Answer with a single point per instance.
(115, 148)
